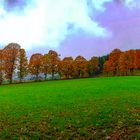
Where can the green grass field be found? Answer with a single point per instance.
(96, 108)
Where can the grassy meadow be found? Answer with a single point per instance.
(92, 108)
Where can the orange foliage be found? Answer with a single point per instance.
(93, 65)
(53, 62)
(1, 68)
(114, 60)
(123, 63)
(45, 63)
(13, 58)
(131, 60)
(107, 67)
(35, 64)
(138, 59)
(66, 67)
(10, 56)
(23, 64)
(80, 66)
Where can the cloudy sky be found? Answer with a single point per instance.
(71, 27)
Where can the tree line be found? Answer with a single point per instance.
(13, 60)
(122, 62)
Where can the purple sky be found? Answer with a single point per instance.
(121, 21)
(89, 29)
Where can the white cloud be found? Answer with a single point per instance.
(132, 3)
(47, 23)
(99, 4)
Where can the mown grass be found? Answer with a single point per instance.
(95, 108)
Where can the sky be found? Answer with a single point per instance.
(73, 27)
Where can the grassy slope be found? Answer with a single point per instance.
(87, 108)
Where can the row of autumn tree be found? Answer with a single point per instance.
(122, 63)
(13, 60)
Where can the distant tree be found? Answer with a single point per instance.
(10, 55)
(23, 64)
(106, 68)
(45, 62)
(53, 61)
(102, 60)
(93, 65)
(80, 66)
(1, 67)
(66, 67)
(138, 59)
(114, 60)
(123, 63)
(131, 60)
(35, 65)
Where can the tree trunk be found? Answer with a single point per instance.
(126, 73)
(107, 74)
(11, 79)
(132, 71)
(45, 76)
(37, 77)
(52, 75)
(79, 74)
(60, 75)
(20, 77)
(1, 78)
(114, 73)
(67, 77)
(37, 73)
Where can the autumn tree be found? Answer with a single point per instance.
(45, 63)
(106, 68)
(138, 59)
(123, 63)
(102, 60)
(1, 68)
(131, 61)
(53, 61)
(93, 65)
(23, 64)
(66, 67)
(80, 66)
(35, 65)
(10, 55)
(114, 60)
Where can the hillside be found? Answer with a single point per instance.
(98, 108)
